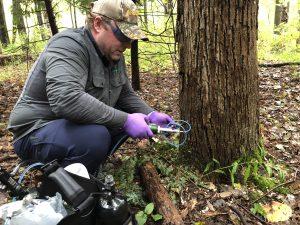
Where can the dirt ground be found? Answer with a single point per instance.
(280, 127)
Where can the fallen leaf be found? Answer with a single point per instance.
(211, 186)
(142, 144)
(277, 212)
(279, 147)
(199, 223)
(210, 206)
(225, 194)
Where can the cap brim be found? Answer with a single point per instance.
(132, 31)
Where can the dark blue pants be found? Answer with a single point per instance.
(67, 142)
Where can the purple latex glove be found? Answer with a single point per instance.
(136, 126)
(160, 119)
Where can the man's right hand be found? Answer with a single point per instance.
(136, 126)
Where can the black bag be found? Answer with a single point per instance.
(84, 196)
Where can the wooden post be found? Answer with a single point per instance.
(135, 70)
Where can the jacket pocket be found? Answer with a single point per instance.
(96, 87)
(118, 81)
(98, 81)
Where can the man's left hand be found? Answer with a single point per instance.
(160, 119)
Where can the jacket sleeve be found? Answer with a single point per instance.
(67, 64)
(130, 102)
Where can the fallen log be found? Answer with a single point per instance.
(157, 193)
(5, 59)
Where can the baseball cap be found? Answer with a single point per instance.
(124, 13)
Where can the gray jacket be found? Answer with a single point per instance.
(72, 79)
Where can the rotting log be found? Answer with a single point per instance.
(5, 59)
(157, 193)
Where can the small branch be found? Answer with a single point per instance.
(279, 185)
(238, 213)
(6, 157)
(278, 64)
(252, 214)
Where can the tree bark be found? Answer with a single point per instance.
(18, 20)
(135, 70)
(159, 196)
(51, 17)
(219, 77)
(3, 28)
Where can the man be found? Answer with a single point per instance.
(77, 99)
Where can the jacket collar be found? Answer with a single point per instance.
(101, 56)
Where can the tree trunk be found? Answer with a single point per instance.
(219, 77)
(170, 6)
(145, 14)
(71, 14)
(3, 28)
(74, 11)
(51, 17)
(135, 70)
(278, 12)
(285, 13)
(18, 20)
(38, 10)
(278, 15)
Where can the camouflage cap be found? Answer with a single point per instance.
(124, 13)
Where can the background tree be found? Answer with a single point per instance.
(39, 8)
(278, 12)
(135, 69)
(145, 14)
(18, 20)
(281, 14)
(51, 16)
(3, 29)
(219, 77)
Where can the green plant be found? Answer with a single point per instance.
(258, 209)
(143, 215)
(125, 180)
(264, 173)
(281, 45)
(233, 171)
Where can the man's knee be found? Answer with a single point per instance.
(89, 145)
(69, 143)
(98, 138)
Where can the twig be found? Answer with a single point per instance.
(279, 185)
(238, 213)
(279, 64)
(252, 214)
(5, 157)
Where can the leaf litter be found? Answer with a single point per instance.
(280, 127)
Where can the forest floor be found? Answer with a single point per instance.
(221, 204)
